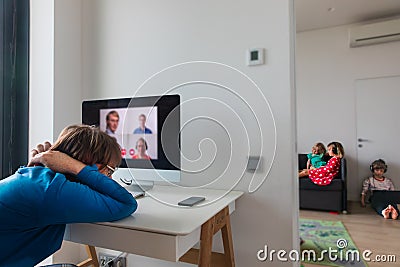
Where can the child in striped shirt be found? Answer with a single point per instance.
(379, 182)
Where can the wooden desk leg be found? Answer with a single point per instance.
(205, 257)
(206, 238)
(228, 243)
(92, 260)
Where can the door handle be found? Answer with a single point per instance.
(362, 140)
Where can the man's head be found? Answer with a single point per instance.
(89, 145)
(142, 121)
(112, 120)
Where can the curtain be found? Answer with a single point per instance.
(14, 80)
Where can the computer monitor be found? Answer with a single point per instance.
(148, 131)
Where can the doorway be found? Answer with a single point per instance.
(378, 125)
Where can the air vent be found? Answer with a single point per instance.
(375, 33)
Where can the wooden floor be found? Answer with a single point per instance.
(368, 231)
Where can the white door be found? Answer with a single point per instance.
(378, 125)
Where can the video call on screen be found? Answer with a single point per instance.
(135, 130)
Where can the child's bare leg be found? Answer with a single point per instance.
(303, 173)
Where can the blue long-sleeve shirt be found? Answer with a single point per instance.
(36, 204)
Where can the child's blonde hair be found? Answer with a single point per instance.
(320, 148)
(337, 149)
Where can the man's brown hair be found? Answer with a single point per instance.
(112, 113)
(89, 145)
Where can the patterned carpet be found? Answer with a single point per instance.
(328, 243)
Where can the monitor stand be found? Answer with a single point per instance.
(140, 186)
(137, 187)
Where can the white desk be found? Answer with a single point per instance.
(164, 231)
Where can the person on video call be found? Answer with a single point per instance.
(142, 129)
(69, 182)
(112, 120)
(141, 148)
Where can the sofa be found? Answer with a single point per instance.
(332, 197)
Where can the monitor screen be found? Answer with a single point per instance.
(138, 130)
(146, 128)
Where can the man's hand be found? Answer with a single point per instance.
(57, 162)
(40, 148)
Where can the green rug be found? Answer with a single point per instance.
(331, 239)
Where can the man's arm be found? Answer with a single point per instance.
(57, 162)
(94, 198)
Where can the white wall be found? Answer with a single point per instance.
(124, 42)
(326, 71)
(55, 68)
(68, 63)
(55, 77)
(41, 73)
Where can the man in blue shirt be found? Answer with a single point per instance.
(73, 186)
(142, 129)
(112, 120)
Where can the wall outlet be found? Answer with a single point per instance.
(106, 260)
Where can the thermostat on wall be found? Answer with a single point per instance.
(255, 56)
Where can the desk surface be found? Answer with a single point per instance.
(159, 228)
(158, 211)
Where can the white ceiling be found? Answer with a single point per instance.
(314, 14)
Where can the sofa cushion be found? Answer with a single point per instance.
(307, 184)
(322, 200)
(302, 161)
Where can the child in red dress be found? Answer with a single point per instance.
(324, 175)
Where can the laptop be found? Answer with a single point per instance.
(386, 196)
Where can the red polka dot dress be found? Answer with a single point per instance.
(324, 175)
